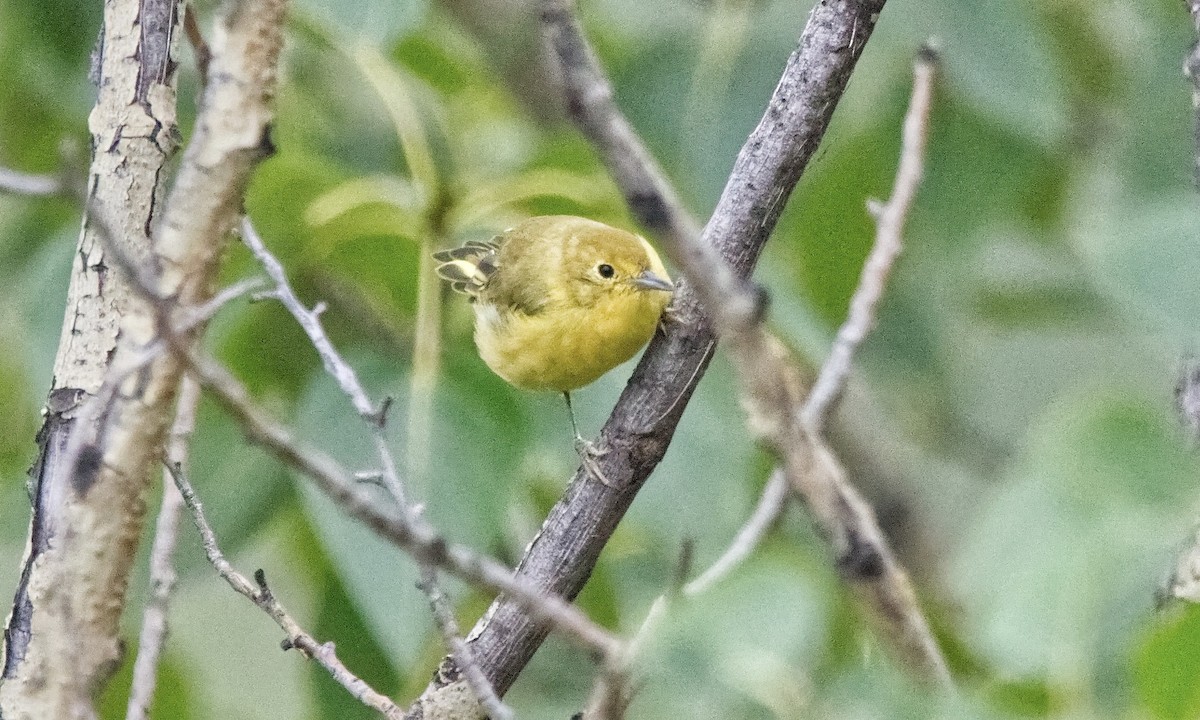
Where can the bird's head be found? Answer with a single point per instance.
(603, 261)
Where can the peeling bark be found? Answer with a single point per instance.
(60, 642)
(98, 450)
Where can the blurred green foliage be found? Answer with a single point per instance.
(1013, 416)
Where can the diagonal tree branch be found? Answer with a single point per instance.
(636, 436)
(260, 594)
(772, 389)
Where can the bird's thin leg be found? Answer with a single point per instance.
(588, 452)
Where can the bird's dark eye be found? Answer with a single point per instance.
(605, 270)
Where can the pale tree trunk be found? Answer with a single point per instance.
(61, 642)
(99, 448)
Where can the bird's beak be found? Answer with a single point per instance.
(647, 280)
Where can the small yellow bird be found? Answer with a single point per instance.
(559, 301)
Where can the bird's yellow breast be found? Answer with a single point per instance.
(570, 347)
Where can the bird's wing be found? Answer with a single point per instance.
(469, 268)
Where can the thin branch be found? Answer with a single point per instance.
(443, 617)
(864, 305)
(20, 183)
(589, 101)
(889, 241)
(347, 380)
(162, 560)
(338, 369)
(770, 506)
(613, 689)
(260, 594)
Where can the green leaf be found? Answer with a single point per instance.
(174, 697)
(1167, 666)
(1064, 537)
(339, 620)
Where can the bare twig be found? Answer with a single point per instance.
(162, 560)
(864, 305)
(21, 183)
(338, 369)
(889, 240)
(443, 617)
(347, 380)
(589, 101)
(261, 595)
(770, 506)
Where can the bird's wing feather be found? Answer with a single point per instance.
(470, 267)
(499, 272)
(520, 280)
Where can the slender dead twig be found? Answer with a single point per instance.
(162, 560)
(443, 617)
(589, 101)
(376, 419)
(335, 366)
(260, 594)
(889, 241)
(864, 305)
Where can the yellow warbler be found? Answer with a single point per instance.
(559, 301)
